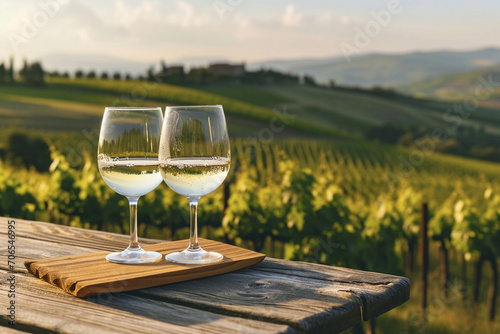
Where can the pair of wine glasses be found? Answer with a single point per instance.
(188, 149)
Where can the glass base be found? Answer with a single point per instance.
(198, 256)
(133, 256)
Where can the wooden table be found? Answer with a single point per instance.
(274, 296)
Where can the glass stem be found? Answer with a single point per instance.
(134, 243)
(193, 224)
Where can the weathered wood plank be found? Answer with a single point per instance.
(43, 306)
(379, 292)
(302, 304)
(302, 296)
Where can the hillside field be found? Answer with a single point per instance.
(458, 86)
(315, 178)
(313, 112)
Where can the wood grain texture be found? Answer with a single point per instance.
(88, 274)
(43, 307)
(273, 296)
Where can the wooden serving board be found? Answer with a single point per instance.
(89, 274)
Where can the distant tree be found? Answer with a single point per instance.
(176, 74)
(383, 92)
(10, 71)
(162, 76)
(104, 75)
(309, 81)
(331, 84)
(23, 73)
(65, 75)
(53, 74)
(199, 75)
(128, 76)
(150, 75)
(29, 151)
(264, 76)
(79, 74)
(389, 132)
(33, 74)
(117, 76)
(2, 73)
(37, 74)
(91, 75)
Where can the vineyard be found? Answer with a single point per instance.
(343, 202)
(333, 203)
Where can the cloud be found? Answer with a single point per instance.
(149, 30)
(324, 18)
(180, 14)
(345, 20)
(153, 29)
(87, 24)
(126, 15)
(120, 28)
(83, 34)
(186, 16)
(292, 17)
(242, 22)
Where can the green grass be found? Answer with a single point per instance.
(347, 110)
(249, 94)
(61, 102)
(56, 92)
(296, 100)
(77, 105)
(176, 95)
(455, 86)
(446, 314)
(314, 112)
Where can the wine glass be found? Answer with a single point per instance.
(128, 163)
(194, 160)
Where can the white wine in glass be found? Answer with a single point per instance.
(194, 160)
(128, 163)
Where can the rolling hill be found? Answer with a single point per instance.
(78, 104)
(458, 86)
(351, 174)
(387, 69)
(354, 111)
(310, 112)
(363, 70)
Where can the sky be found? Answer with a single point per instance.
(243, 30)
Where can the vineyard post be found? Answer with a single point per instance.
(479, 275)
(443, 254)
(226, 200)
(463, 273)
(487, 256)
(424, 252)
(410, 257)
(371, 328)
(226, 195)
(493, 291)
